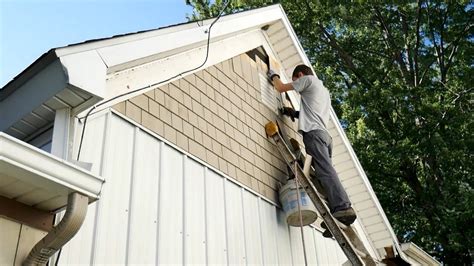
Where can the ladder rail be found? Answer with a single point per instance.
(346, 237)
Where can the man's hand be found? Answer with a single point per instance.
(271, 74)
(288, 111)
(277, 83)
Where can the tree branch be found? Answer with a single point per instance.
(457, 41)
(417, 43)
(391, 46)
(441, 44)
(411, 178)
(438, 49)
(405, 29)
(331, 41)
(426, 71)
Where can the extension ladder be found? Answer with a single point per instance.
(345, 236)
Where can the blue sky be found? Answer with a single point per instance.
(29, 28)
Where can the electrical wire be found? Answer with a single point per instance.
(154, 84)
(146, 87)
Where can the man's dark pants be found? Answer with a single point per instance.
(318, 144)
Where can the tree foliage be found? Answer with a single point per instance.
(401, 80)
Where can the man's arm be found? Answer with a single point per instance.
(280, 86)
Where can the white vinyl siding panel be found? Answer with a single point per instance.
(283, 240)
(114, 203)
(160, 206)
(269, 94)
(235, 224)
(268, 224)
(253, 234)
(274, 28)
(369, 218)
(216, 225)
(311, 253)
(287, 53)
(143, 224)
(322, 257)
(194, 213)
(296, 245)
(170, 219)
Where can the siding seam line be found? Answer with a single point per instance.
(130, 202)
(183, 179)
(106, 140)
(205, 216)
(243, 224)
(261, 233)
(158, 224)
(226, 220)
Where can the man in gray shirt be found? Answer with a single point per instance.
(313, 120)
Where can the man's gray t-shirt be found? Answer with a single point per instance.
(315, 103)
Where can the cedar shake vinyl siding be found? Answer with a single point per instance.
(217, 115)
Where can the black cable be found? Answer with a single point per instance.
(146, 87)
(156, 83)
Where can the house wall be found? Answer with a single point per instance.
(16, 241)
(161, 205)
(217, 115)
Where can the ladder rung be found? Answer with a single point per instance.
(341, 225)
(360, 253)
(307, 165)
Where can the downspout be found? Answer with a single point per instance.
(77, 204)
(76, 211)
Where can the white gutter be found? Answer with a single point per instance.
(33, 166)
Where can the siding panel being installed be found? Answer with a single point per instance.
(161, 206)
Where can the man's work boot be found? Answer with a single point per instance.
(346, 216)
(326, 233)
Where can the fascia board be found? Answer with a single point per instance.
(119, 54)
(419, 255)
(86, 71)
(34, 166)
(129, 48)
(95, 45)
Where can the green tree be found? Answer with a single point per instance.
(401, 79)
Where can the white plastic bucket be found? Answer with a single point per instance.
(289, 202)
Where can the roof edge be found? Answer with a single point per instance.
(413, 251)
(39, 64)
